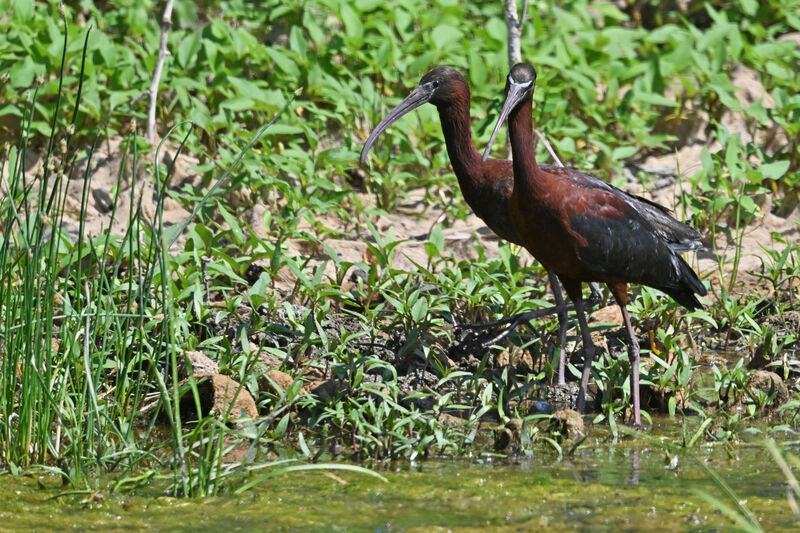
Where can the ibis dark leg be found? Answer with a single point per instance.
(588, 354)
(633, 355)
(562, 327)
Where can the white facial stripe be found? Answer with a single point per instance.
(522, 85)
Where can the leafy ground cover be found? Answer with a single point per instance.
(326, 296)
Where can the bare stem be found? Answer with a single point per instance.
(549, 147)
(166, 22)
(514, 25)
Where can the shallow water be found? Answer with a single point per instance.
(624, 486)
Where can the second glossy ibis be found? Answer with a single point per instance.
(584, 230)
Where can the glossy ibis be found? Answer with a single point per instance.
(485, 183)
(584, 229)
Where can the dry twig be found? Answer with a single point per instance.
(514, 26)
(166, 22)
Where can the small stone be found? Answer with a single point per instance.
(281, 379)
(218, 395)
(766, 381)
(201, 365)
(325, 390)
(508, 436)
(503, 438)
(564, 396)
(541, 407)
(227, 392)
(102, 200)
(567, 424)
(610, 314)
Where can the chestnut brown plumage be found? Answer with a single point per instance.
(485, 183)
(584, 229)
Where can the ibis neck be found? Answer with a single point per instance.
(464, 157)
(520, 127)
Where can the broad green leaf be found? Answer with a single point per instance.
(774, 170)
(238, 103)
(419, 310)
(283, 61)
(365, 6)
(443, 35)
(352, 22)
(623, 152)
(655, 99)
(10, 109)
(22, 73)
(297, 41)
(188, 49)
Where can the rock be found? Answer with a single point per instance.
(268, 360)
(201, 365)
(541, 407)
(319, 385)
(769, 383)
(515, 425)
(610, 314)
(565, 396)
(281, 379)
(567, 424)
(325, 389)
(508, 436)
(238, 452)
(267, 366)
(503, 438)
(102, 200)
(519, 360)
(219, 395)
(227, 392)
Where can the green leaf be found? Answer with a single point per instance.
(623, 152)
(211, 52)
(496, 29)
(232, 221)
(419, 310)
(750, 7)
(283, 62)
(23, 11)
(748, 206)
(200, 115)
(444, 35)
(774, 170)
(297, 41)
(337, 156)
(23, 72)
(352, 22)
(655, 99)
(238, 103)
(280, 429)
(10, 109)
(437, 238)
(257, 293)
(188, 49)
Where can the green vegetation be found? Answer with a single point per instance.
(249, 233)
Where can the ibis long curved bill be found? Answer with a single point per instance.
(515, 93)
(421, 95)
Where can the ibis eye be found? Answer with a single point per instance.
(435, 84)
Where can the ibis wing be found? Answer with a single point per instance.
(621, 243)
(677, 235)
